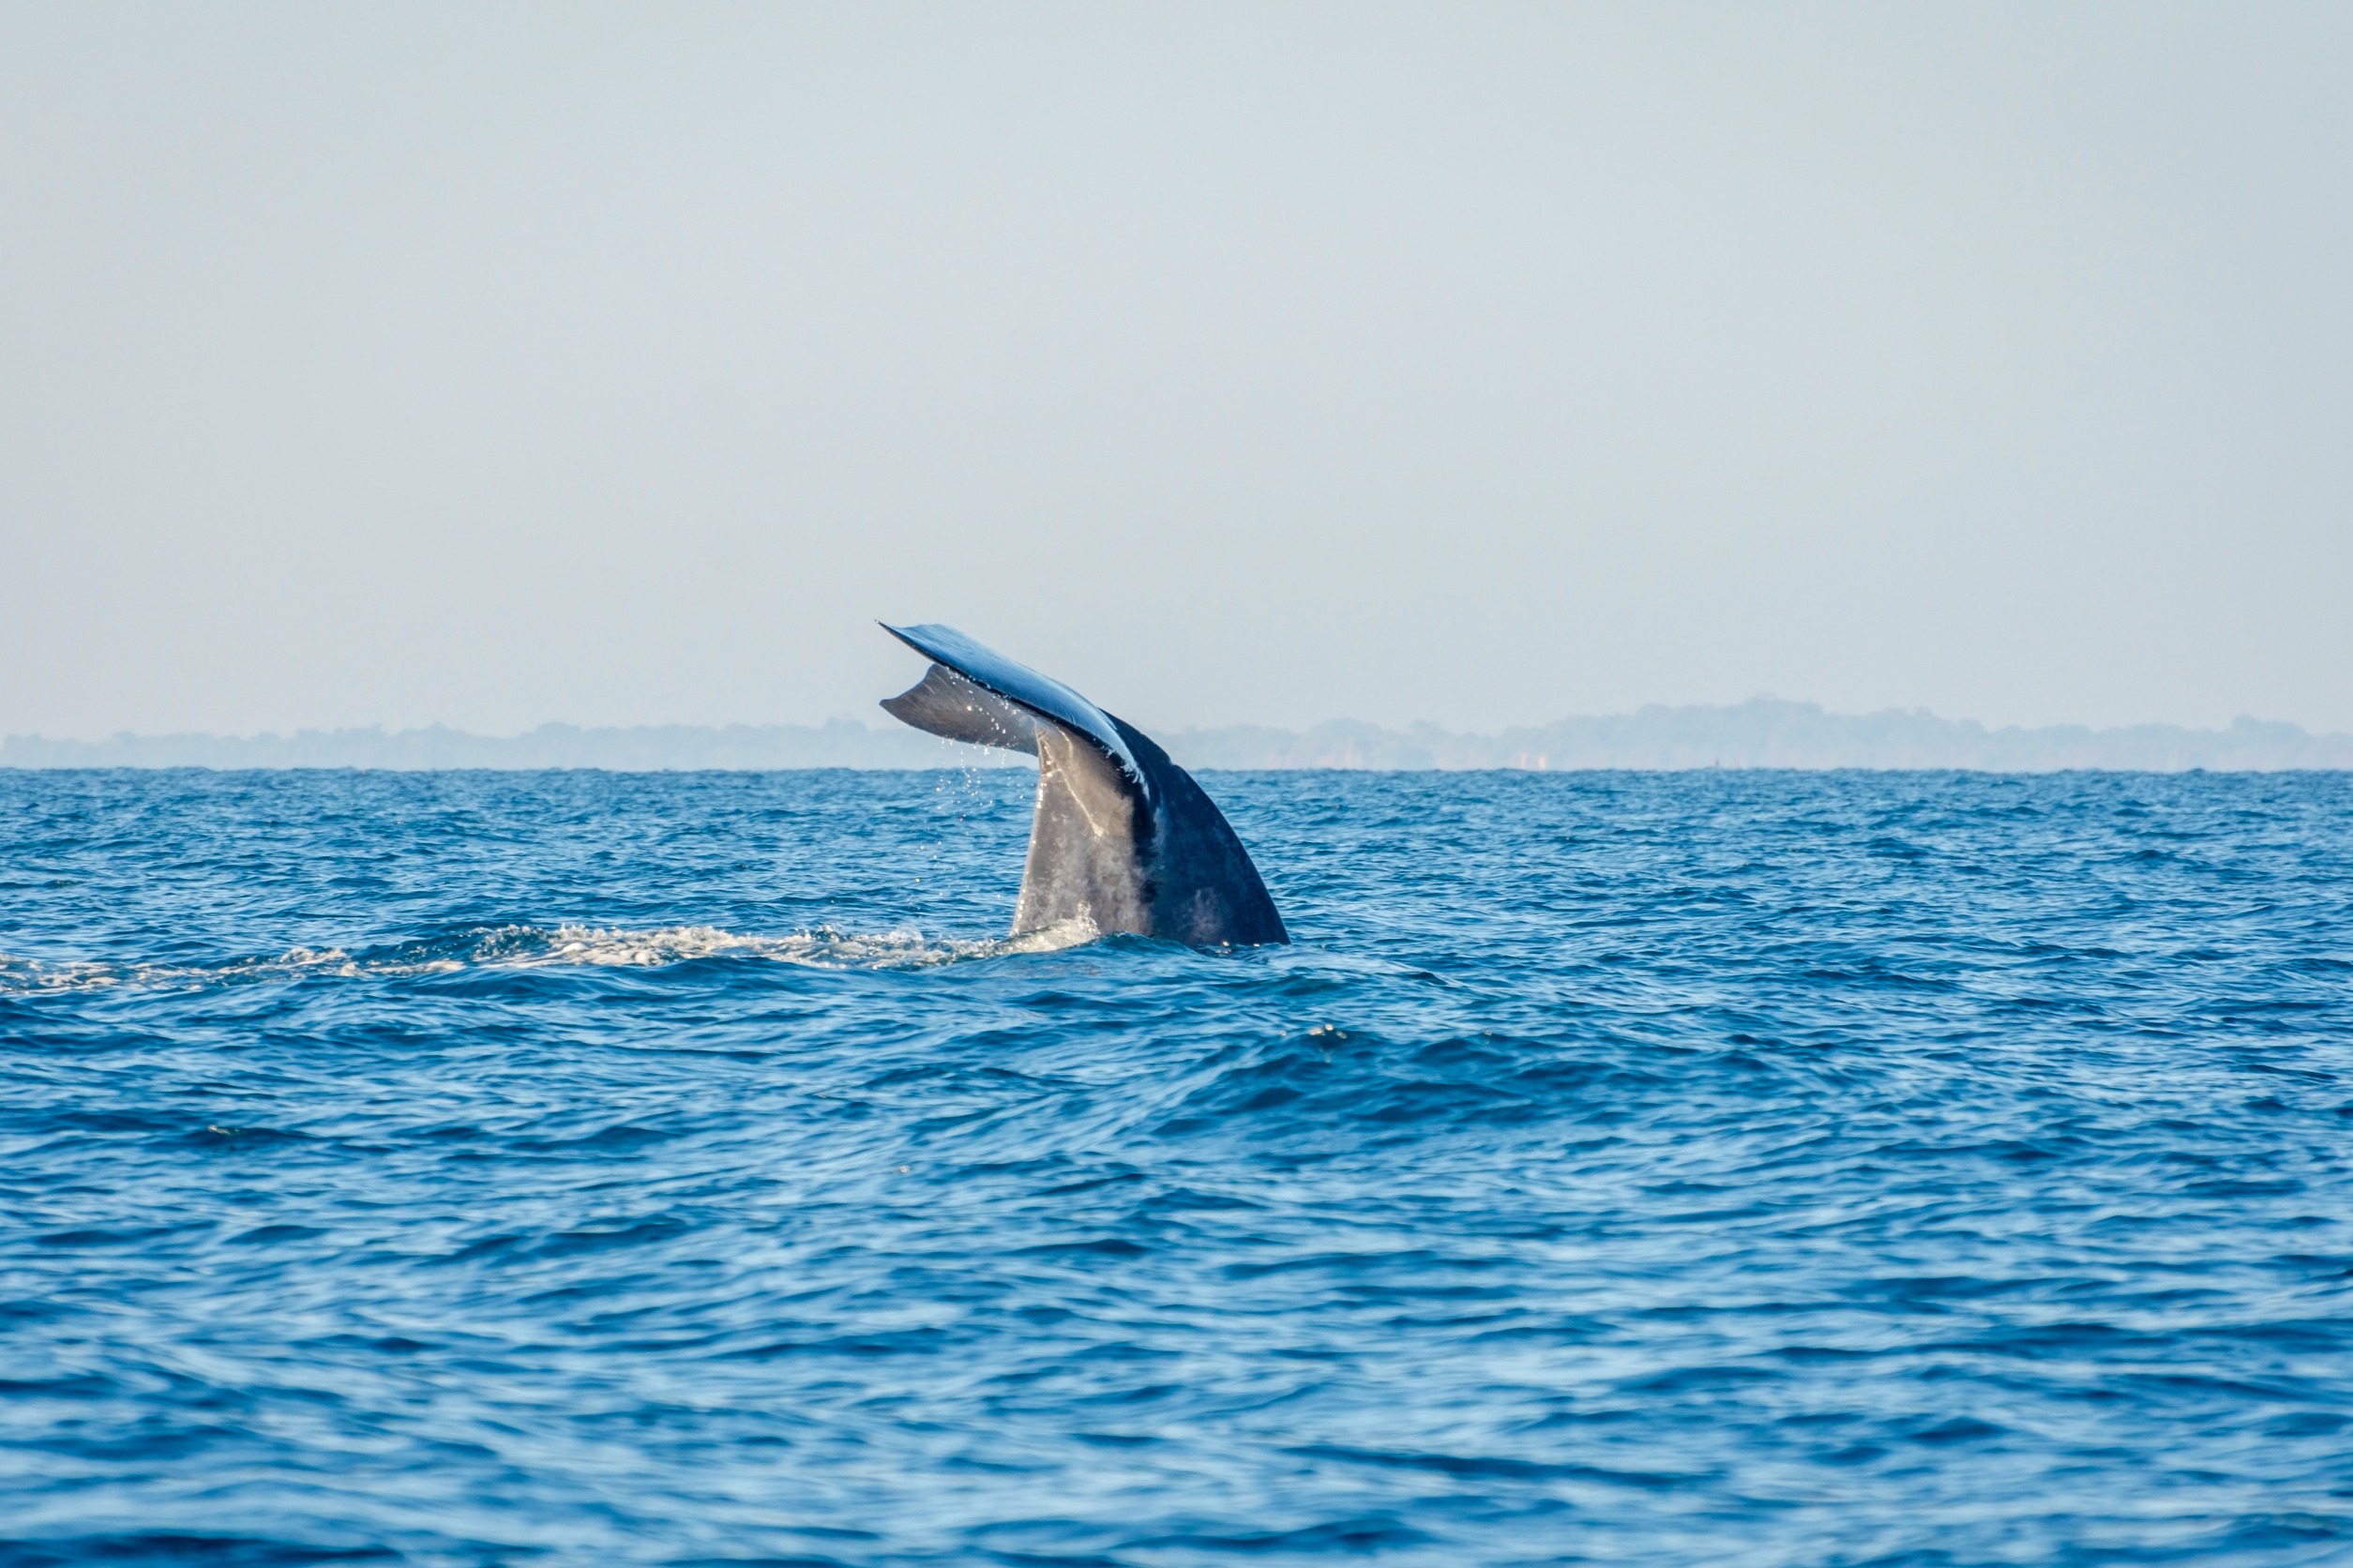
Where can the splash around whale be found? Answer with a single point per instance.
(1122, 838)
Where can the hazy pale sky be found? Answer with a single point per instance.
(495, 363)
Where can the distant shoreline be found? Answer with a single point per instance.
(1764, 733)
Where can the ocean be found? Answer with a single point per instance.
(1705, 1168)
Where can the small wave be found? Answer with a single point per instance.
(541, 947)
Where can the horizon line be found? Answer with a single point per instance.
(1414, 727)
(1760, 733)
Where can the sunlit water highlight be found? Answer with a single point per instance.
(1692, 1168)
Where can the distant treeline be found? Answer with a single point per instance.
(657, 748)
(1761, 733)
(1766, 732)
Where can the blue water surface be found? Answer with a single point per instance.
(1717, 1168)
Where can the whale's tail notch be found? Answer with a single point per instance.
(1121, 836)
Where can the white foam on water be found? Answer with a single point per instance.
(522, 947)
(36, 977)
(544, 947)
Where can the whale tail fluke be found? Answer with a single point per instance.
(1121, 836)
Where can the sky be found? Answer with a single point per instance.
(491, 364)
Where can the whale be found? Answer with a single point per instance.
(1122, 838)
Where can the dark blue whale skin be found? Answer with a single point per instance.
(1123, 836)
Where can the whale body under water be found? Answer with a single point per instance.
(1123, 836)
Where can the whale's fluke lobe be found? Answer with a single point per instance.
(1123, 836)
